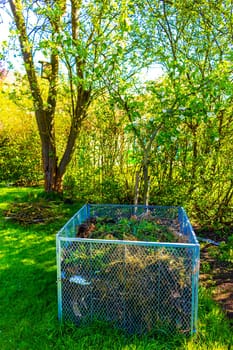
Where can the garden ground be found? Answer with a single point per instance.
(28, 308)
(219, 274)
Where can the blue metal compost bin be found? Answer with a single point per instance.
(139, 286)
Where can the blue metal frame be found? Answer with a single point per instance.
(59, 289)
(67, 234)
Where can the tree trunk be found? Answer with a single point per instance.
(146, 183)
(48, 147)
(136, 191)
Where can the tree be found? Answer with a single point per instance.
(99, 168)
(191, 40)
(84, 44)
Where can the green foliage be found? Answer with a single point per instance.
(225, 251)
(142, 229)
(172, 137)
(19, 162)
(19, 141)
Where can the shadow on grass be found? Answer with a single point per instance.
(28, 285)
(11, 194)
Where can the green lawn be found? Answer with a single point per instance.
(28, 299)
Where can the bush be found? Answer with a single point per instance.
(19, 160)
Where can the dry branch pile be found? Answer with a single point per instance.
(30, 213)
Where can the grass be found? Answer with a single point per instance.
(28, 301)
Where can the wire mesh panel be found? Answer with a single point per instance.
(138, 286)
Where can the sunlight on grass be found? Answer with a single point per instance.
(28, 261)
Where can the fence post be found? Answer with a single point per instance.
(195, 276)
(197, 253)
(59, 291)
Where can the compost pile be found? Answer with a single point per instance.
(144, 227)
(135, 287)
